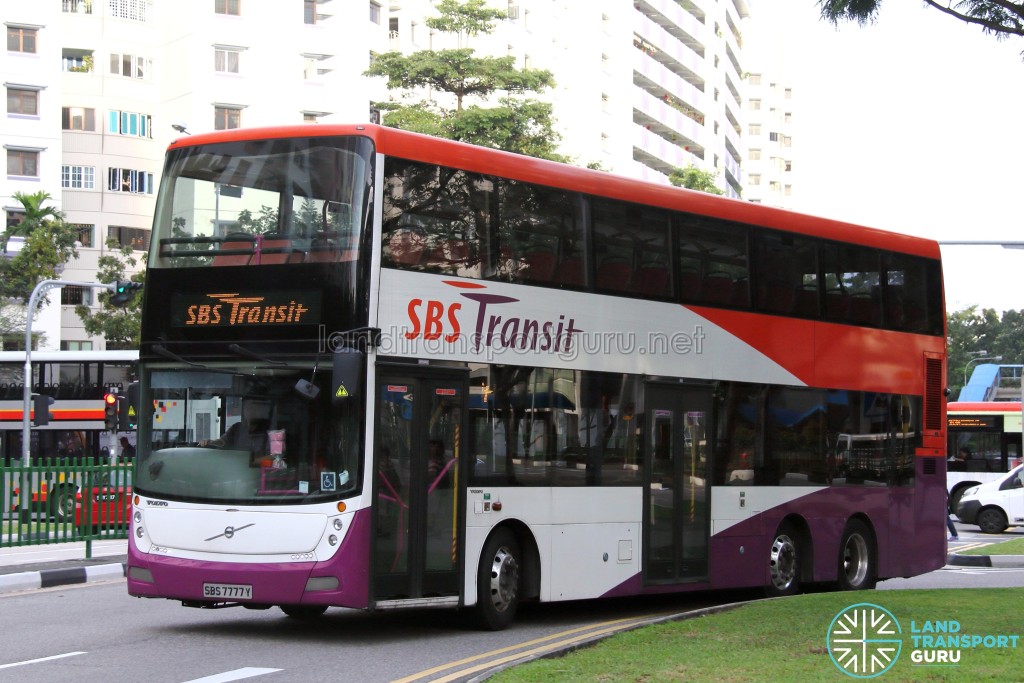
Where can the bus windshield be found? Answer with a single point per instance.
(286, 200)
(248, 433)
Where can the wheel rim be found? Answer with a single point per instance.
(782, 562)
(504, 579)
(855, 560)
(990, 521)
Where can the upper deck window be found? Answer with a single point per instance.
(263, 202)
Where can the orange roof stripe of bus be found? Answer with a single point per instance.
(417, 147)
(983, 407)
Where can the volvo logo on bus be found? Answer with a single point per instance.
(432, 319)
(230, 531)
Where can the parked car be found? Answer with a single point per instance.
(111, 506)
(995, 505)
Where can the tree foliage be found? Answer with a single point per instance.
(120, 325)
(970, 331)
(49, 242)
(694, 178)
(1000, 18)
(515, 124)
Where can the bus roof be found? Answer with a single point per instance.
(983, 407)
(418, 147)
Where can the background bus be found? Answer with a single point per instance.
(984, 443)
(77, 380)
(458, 377)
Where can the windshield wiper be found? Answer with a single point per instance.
(242, 351)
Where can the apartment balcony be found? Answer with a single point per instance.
(678, 125)
(650, 74)
(670, 51)
(677, 21)
(657, 153)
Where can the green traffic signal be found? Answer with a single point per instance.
(123, 291)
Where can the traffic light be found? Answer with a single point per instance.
(110, 411)
(123, 292)
(41, 409)
(124, 417)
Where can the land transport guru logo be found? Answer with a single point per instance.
(431, 320)
(865, 640)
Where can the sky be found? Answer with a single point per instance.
(911, 124)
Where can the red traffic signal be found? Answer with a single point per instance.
(110, 411)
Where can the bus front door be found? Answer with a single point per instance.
(676, 462)
(419, 442)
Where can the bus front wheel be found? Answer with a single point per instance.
(62, 503)
(784, 563)
(856, 558)
(498, 584)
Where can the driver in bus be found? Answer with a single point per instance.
(249, 433)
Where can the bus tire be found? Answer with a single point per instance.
(857, 558)
(784, 563)
(991, 520)
(62, 503)
(303, 611)
(498, 581)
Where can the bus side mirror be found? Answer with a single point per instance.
(348, 365)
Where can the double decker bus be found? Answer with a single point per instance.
(77, 382)
(382, 370)
(984, 443)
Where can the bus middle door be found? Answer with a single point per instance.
(676, 461)
(420, 441)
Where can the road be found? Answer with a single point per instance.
(97, 633)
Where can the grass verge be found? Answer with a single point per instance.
(786, 640)
(1012, 547)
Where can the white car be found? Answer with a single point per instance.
(995, 505)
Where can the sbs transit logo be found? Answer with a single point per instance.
(864, 640)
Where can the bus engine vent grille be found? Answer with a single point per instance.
(928, 466)
(933, 394)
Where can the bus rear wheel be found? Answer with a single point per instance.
(784, 564)
(498, 584)
(856, 558)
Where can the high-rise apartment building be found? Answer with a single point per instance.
(769, 164)
(97, 88)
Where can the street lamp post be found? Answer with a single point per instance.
(975, 360)
(37, 293)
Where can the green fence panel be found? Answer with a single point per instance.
(61, 501)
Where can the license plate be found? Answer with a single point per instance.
(227, 591)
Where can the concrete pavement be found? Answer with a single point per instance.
(43, 566)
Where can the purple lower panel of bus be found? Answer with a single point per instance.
(908, 524)
(272, 583)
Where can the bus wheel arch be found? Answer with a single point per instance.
(991, 520)
(858, 556)
(789, 558)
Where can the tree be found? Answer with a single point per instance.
(120, 325)
(1000, 18)
(49, 242)
(694, 178)
(518, 124)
